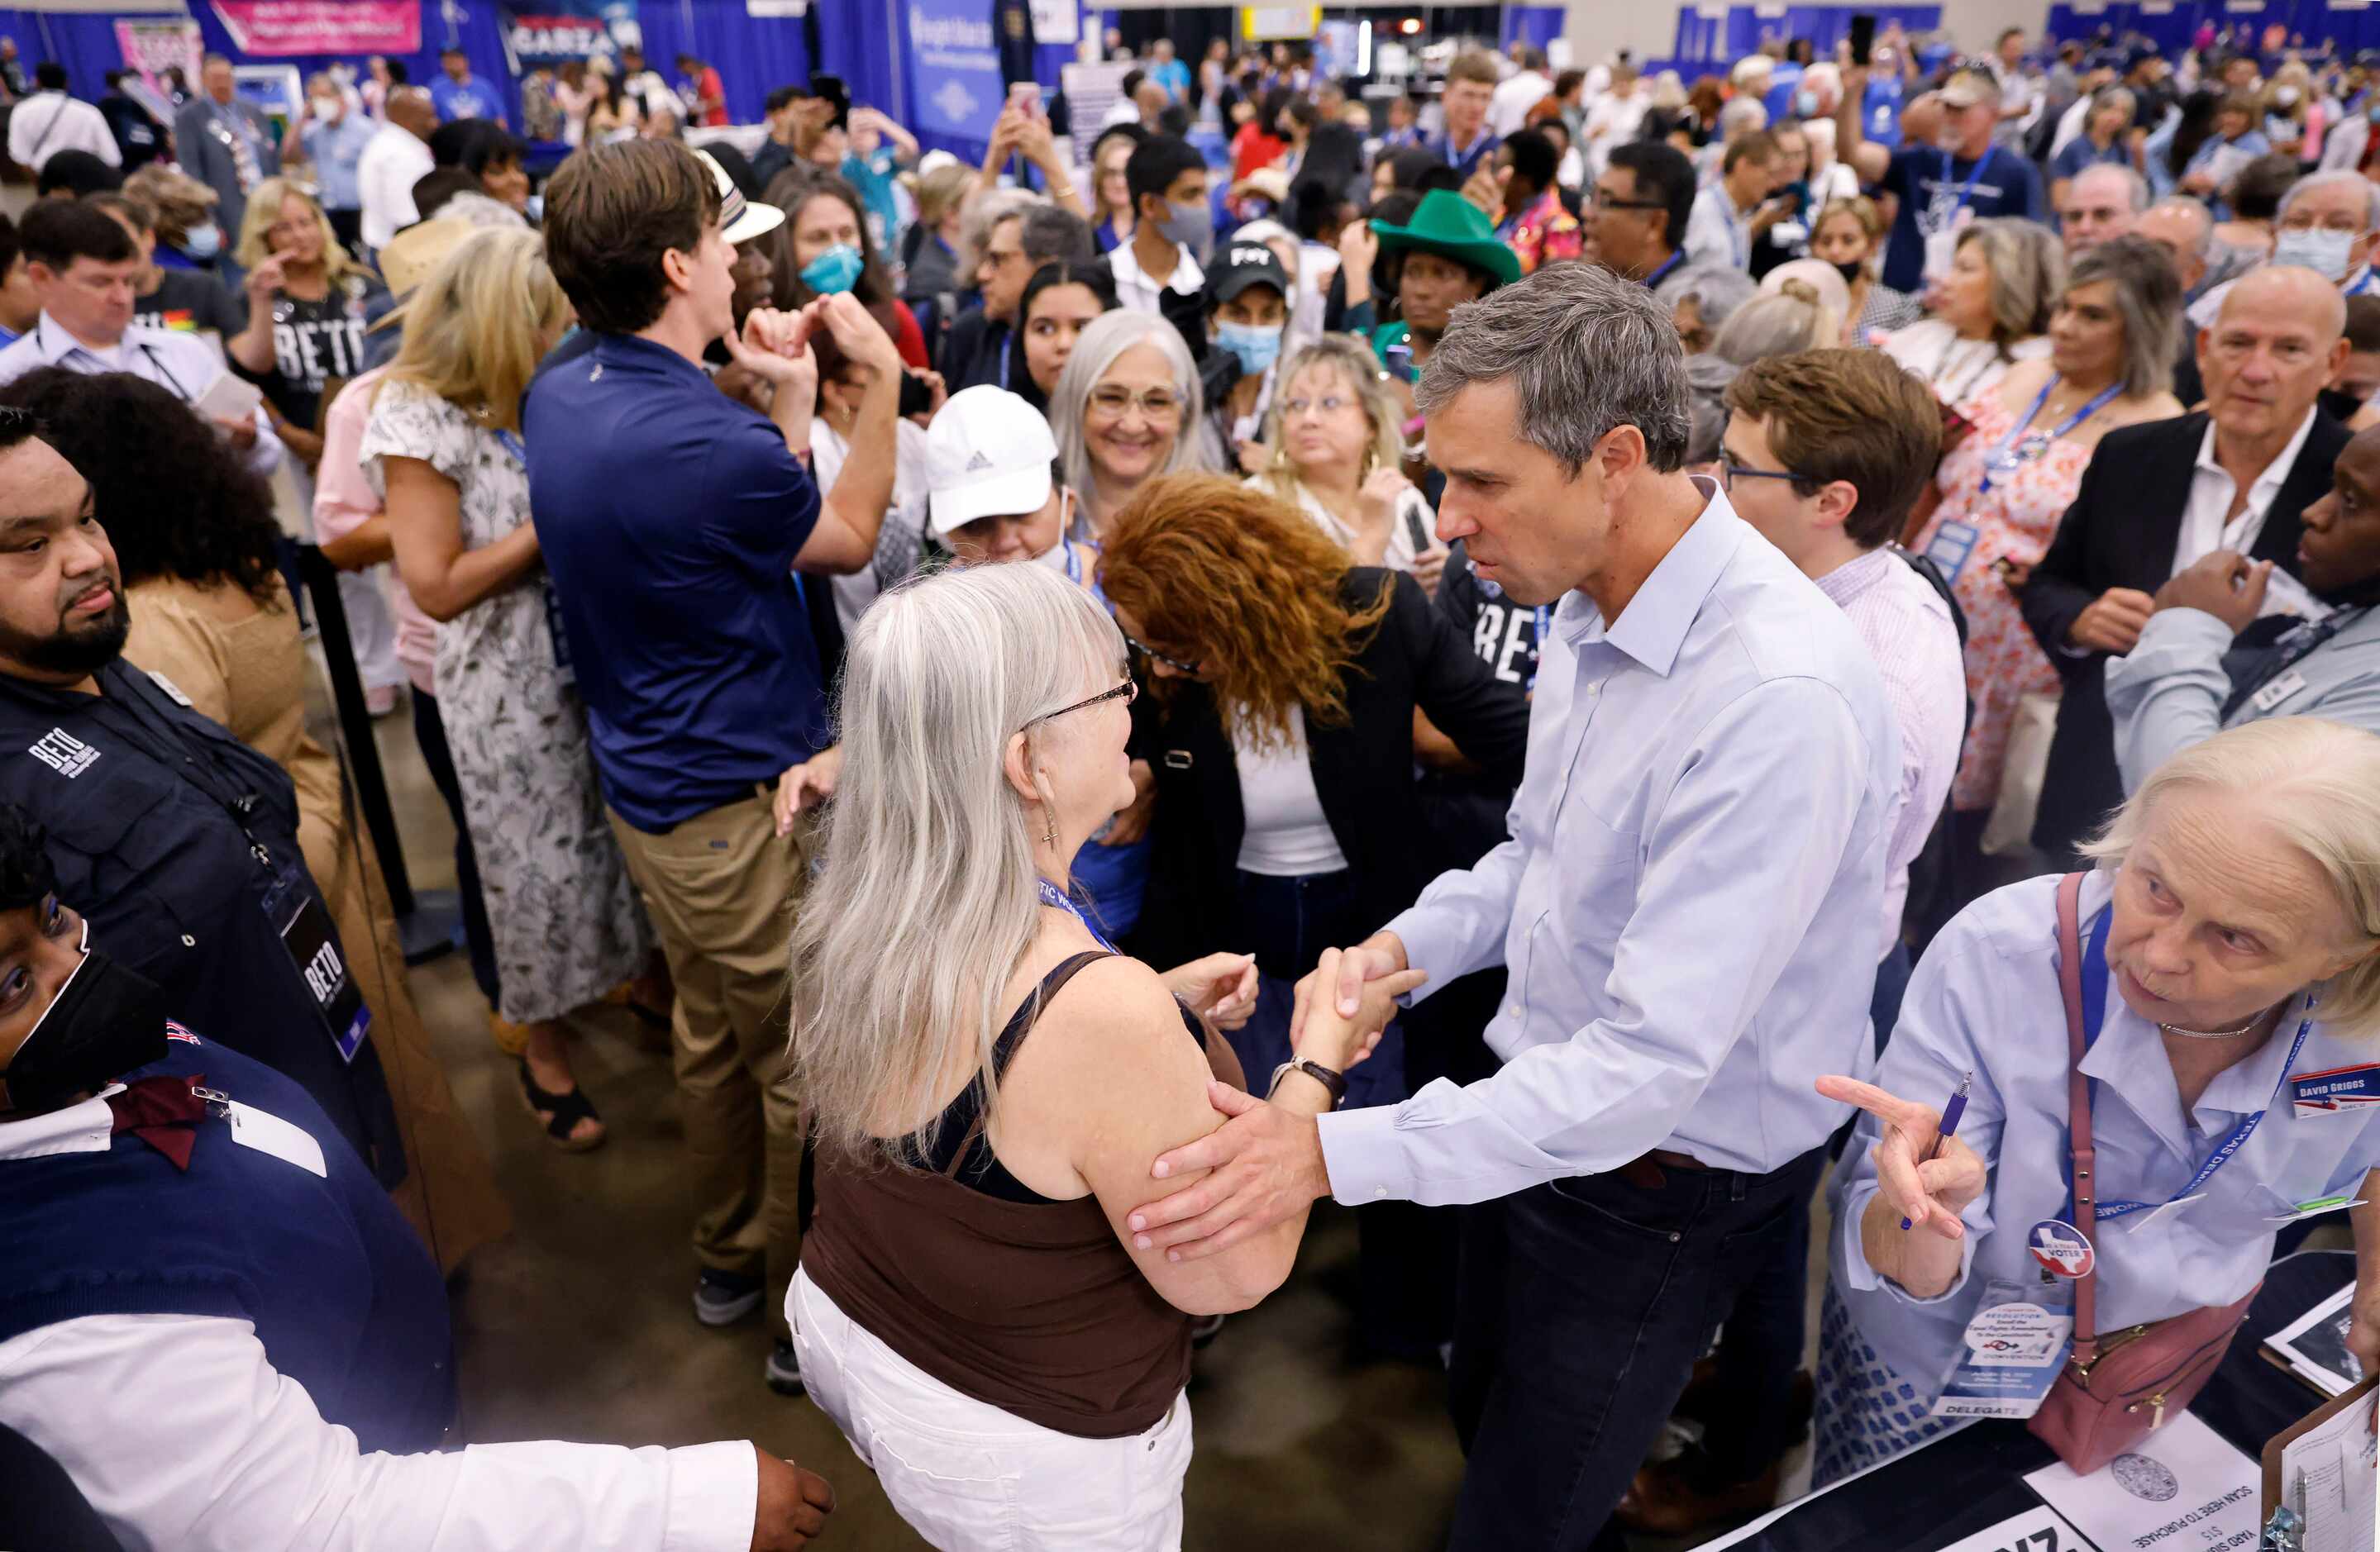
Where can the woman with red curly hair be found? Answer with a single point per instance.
(1280, 730)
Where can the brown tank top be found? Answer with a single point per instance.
(1033, 1307)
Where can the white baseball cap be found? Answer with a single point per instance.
(740, 220)
(988, 454)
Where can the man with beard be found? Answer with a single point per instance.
(178, 842)
(2209, 659)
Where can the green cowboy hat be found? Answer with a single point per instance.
(1449, 224)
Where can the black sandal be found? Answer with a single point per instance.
(561, 1113)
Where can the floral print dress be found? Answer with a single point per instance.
(567, 924)
(2014, 520)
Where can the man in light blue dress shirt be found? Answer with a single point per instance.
(1686, 912)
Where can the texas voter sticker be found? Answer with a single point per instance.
(2061, 1247)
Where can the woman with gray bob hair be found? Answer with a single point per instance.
(2227, 947)
(1990, 308)
(989, 1081)
(1700, 297)
(1126, 409)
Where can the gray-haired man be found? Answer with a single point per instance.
(1696, 844)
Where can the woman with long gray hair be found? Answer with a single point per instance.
(1126, 409)
(988, 1080)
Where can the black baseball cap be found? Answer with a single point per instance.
(1244, 263)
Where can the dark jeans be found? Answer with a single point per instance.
(1584, 1304)
(430, 733)
(1287, 923)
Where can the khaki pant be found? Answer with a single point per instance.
(722, 888)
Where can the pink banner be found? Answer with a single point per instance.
(263, 28)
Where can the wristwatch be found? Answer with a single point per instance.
(1334, 1082)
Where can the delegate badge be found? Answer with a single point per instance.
(2061, 1247)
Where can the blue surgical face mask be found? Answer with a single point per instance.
(535, 208)
(202, 242)
(1191, 228)
(1257, 344)
(2323, 252)
(1806, 104)
(835, 271)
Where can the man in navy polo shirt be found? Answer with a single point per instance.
(1941, 188)
(671, 520)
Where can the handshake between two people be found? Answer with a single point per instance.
(1264, 1163)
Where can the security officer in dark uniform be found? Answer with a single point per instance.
(178, 842)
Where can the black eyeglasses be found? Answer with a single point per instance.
(1599, 199)
(1729, 473)
(1129, 691)
(1177, 664)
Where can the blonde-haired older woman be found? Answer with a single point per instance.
(1126, 409)
(307, 299)
(1789, 317)
(1338, 456)
(1990, 310)
(970, 1307)
(2227, 944)
(443, 448)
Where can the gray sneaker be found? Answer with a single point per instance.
(783, 1371)
(725, 1298)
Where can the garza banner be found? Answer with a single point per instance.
(959, 86)
(550, 32)
(270, 28)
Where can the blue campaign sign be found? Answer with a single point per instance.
(957, 67)
(548, 32)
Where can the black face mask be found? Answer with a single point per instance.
(106, 1021)
(1851, 271)
(2340, 405)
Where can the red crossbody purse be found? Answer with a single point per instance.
(2118, 1389)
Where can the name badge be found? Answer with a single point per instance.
(2339, 1091)
(324, 972)
(2279, 690)
(268, 1134)
(1953, 543)
(2014, 1348)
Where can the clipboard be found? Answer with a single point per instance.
(2280, 1442)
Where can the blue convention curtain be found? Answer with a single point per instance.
(2172, 30)
(1706, 41)
(1532, 24)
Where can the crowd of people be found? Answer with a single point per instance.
(1247, 653)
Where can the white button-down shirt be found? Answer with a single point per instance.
(183, 365)
(49, 122)
(1138, 290)
(1687, 907)
(2205, 528)
(181, 1434)
(392, 162)
(1907, 630)
(1986, 999)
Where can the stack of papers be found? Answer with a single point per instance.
(2328, 1476)
(2315, 1346)
(2183, 1487)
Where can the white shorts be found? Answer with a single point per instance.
(969, 1477)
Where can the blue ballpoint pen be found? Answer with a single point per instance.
(1951, 1114)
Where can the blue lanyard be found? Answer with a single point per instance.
(1974, 175)
(514, 445)
(1671, 262)
(1053, 895)
(2002, 460)
(1739, 240)
(1538, 645)
(1003, 368)
(2095, 1007)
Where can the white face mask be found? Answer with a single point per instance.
(324, 107)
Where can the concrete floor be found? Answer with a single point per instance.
(579, 1326)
